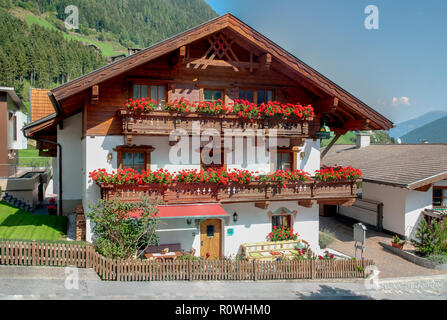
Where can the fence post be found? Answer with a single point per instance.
(189, 270)
(313, 270)
(33, 253)
(255, 275)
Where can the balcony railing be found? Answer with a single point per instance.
(252, 192)
(163, 122)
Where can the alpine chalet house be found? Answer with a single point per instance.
(192, 91)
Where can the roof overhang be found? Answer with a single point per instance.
(414, 185)
(13, 96)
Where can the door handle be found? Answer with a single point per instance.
(201, 243)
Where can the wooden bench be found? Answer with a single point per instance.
(262, 250)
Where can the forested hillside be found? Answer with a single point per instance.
(131, 22)
(36, 50)
(39, 56)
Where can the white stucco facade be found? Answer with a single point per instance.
(82, 155)
(401, 207)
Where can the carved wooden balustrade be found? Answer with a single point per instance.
(163, 122)
(251, 192)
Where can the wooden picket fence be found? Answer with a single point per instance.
(85, 256)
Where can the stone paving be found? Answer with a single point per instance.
(389, 264)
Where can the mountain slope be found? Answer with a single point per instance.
(433, 132)
(36, 49)
(407, 126)
(131, 22)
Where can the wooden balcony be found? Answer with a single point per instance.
(164, 122)
(337, 192)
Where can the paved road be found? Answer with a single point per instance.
(51, 283)
(389, 264)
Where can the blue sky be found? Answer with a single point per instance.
(400, 69)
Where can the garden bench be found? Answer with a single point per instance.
(262, 250)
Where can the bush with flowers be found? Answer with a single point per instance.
(285, 176)
(179, 105)
(130, 176)
(337, 173)
(243, 108)
(211, 107)
(281, 234)
(326, 256)
(143, 104)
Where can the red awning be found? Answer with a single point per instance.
(188, 211)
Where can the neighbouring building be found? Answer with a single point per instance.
(217, 62)
(402, 183)
(12, 120)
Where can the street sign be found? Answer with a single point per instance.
(359, 237)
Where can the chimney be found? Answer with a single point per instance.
(363, 139)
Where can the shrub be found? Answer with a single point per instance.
(118, 231)
(431, 239)
(438, 258)
(326, 237)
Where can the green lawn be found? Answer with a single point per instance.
(20, 224)
(30, 158)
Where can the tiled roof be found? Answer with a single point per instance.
(406, 165)
(41, 105)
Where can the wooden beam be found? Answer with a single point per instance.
(327, 105)
(95, 94)
(306, 203)
(262, 204)
(424, 188)
(265, 61)
(329, 146)
(337, 202)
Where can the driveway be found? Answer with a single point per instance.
(389, 264)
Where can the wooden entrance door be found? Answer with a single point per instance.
(210, 238)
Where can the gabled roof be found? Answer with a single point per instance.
(408, 166)
(227, 21)
(41, 105)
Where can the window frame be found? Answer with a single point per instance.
(255, 93)
(291, 157)
(443, 197)
(149, 85)
(147, 150)
(222, 91)
(289, 220)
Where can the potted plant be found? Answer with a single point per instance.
(52, 210)
(397, 242)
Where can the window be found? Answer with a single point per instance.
(247, 95)
(137, 158)
(283, 161)
(280, 221)
(210, 231)
(134, 160)
(140, 91)
(264, 96)
(159, 93)
(153, 92)
(439, 197)
(14, 128)
(212, 95)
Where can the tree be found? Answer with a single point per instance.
(117, 233)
